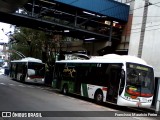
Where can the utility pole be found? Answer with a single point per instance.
(143, 28)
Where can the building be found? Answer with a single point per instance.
(2, 57)
(145, 32)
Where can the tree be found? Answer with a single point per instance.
(38, 44)
(30, 42)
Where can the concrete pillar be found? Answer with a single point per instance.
(158, 98)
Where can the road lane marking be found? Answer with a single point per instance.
(72, 98)
(60, 95)
(30, 86)
(41, 88)
(38, 87)
(2, 84)
(21, 85)
(48, 89)
(12, 84)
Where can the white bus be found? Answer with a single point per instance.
(122, 80)
(28, 70)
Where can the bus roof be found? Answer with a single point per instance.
(110, 58)
(28, 59)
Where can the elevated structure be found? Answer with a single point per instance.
(79, 19)
(100, 22)
(100, 8)
(10, 6)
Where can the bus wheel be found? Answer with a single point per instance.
(98, 97)
(65, 89)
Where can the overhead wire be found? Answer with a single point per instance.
(147, 16)
(139, 8)
(134, 16)
(142, 23)
(130, 10)
(105, 8)
(122, 12)
(130, 31)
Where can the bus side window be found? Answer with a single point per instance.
(106, 80)
(82, 73)
(97, 76)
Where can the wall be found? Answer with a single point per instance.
(151, 44)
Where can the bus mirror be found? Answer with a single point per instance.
(31, 72)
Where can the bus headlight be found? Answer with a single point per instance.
(28, 78)
(43, 80)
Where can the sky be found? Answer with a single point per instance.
(4, 29)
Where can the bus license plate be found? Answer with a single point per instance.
(143, 100)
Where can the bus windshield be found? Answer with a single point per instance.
(36, 69)
(140, 80)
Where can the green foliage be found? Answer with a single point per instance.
(37, 44)
(29, 42)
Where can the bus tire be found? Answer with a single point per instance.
(98, 97)
(65, 89)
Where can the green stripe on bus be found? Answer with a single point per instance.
(69, 84)
(54, 83)
(84, 90)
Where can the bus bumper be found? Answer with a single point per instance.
(123, 102)
(36, 80)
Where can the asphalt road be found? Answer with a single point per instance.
(23, 98)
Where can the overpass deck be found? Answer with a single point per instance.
(83, 19)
